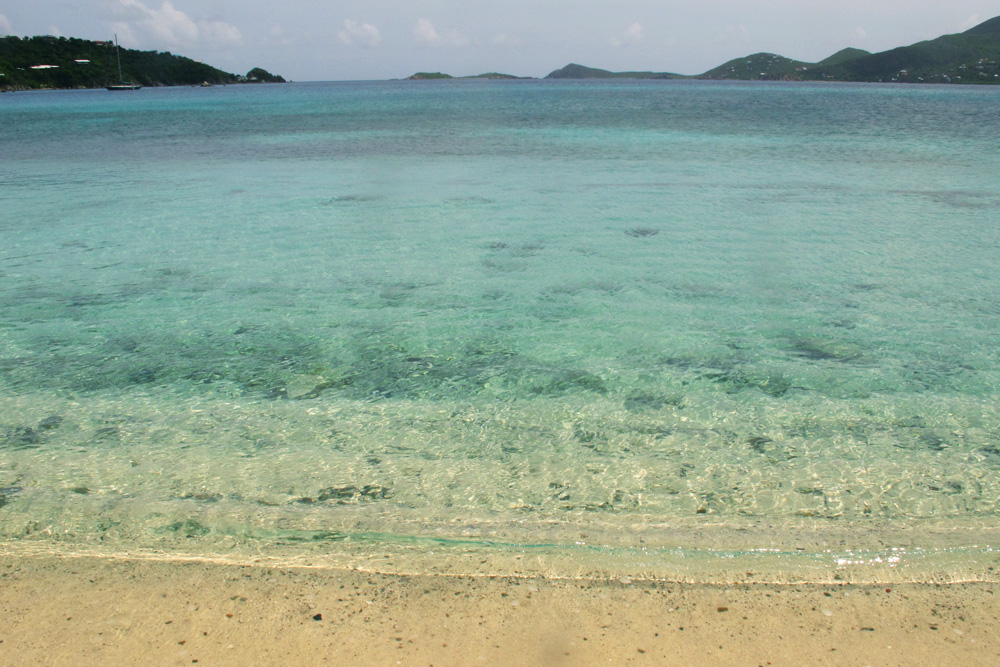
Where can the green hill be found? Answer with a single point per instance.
(843, 56)
(968, 57)
(990, 27)
(258, 75)
(61, 62)
(574, 71)
(757, 67)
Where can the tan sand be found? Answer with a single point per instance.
(102, 611)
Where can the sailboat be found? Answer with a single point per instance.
(121, 85)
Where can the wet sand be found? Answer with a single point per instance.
(101, 611)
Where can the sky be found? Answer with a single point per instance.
(324, 40)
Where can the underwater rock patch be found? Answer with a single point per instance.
(187, 528)
(559, 491)
(351, 493)
(736, 380)
(566, 381)
(620, 501)
(642, 232)
(933, 442)
(49, 423)
(948, 487)
(253, 358)
(108, 433)
(304, 387)
(470, 200)
(247, 328)
(143, 376)
(775, 452)
(313, 536)
(355, 199)
(22, 437)
(639, 402)
(379, 369)
(26, 437)
(7, 492)
(824, 349)
(991, 453)
(204, 497)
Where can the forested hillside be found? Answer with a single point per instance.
(67, 62)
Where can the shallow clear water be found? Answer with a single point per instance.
(505, 326)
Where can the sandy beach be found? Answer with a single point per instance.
(91, 611)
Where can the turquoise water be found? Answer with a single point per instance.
(615, 327)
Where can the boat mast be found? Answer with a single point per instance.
(118, 53)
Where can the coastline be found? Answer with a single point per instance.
(91, 610)
(253, 428)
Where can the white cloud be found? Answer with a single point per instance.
(364, 33)
(170, 26)
(219, 32)
(860, 32)
(173, 25)
(426, 34)
(631, 35)
(5, 27)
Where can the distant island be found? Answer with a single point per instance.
(967, 57)
(574, 71)
(427, 76)
(61, 62)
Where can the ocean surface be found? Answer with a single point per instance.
(688, 330)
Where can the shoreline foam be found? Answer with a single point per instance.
(439, 558)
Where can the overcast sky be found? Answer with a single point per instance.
(318, 40)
